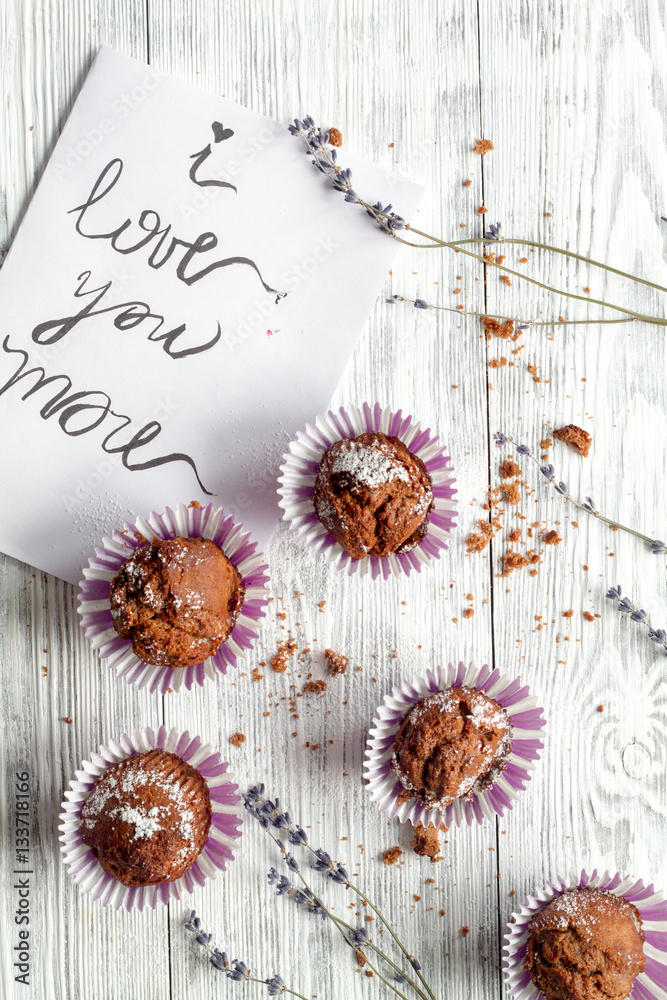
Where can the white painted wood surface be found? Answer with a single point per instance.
(573, 97)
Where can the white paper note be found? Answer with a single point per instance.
(181, 297)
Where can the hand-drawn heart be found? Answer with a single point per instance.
(220, 133)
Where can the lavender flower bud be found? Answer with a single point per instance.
(657, 635)
(323, 862)
(238, 971)
(398, 978)
(298, 837)
(638, 616)
(625, 606)
(291, 863)
(359, 937)
(339, 874)
(658, 547)
(416, 964)
(523, 449)
(219, 960)
(276, 986)
(501, 439)
(421, 304)
(614, 593)
(547, 471)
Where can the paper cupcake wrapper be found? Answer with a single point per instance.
(299, 471)
(649, 985)
(527, 722)
(223, 837)
(185, 522)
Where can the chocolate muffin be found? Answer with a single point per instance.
(373, 495)
(585, 945)
(147, 818)
(450, 744)
(176, 601)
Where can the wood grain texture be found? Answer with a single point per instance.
(573, 97)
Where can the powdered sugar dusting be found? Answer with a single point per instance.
(369, 464)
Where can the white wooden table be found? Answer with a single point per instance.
(573, 97)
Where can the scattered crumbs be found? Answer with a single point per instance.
(512, 560)
(511, 493)
(336, 137)
(469, 612)
(551, 537)
(509, 469)
(568, 614)
(498, 362)
(575, 437)
(336, 662)
(600, 708)
(523, 260)
(588, 616)
(465, 931)
(547, 215)
(494, 328)
(484, 146)
(533, 371)
(255, 674)
(391, 856)
(481, 210)
(505, 278)
(416, 898)
(585, 568)
(285, 650)
(442, 913)
(587, 290)
(426, 842)
(45, 671)
(67, 719)
(515, 535)
(237, 740)
(321, 606)
(361, 958)
(467, 183)
(315, 687)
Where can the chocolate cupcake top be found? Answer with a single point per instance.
(585, 945)
(450, 744)
(176, 601)
(147, 818)
(373, 495)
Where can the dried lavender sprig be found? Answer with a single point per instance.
(236, 970)
(269, 815)
(356, 937)
(656, 546)
(625, 606)
(521, 324)
(327, 162)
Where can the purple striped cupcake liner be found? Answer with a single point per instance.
(184, 522)
(299, 471)
(223, 836)
(649, 985)
(527, 722)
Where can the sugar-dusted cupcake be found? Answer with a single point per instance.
(455, 745)
(588, 937)
(450, 744)
(585, 945)
(149, 816)
(371, 489)
(174, 598)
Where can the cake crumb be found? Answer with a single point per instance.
(336, 662)
(391, 856)
(511, 493)
(494, 328)
(568, 614)
(484, 146)
(600, 708)
(575, 437)
(588, 616)
(426, 841)
(505, 278)
(255, 674)
(315, 687)
(237, 740)
(335, 137)
(551, 537)
(469, 612)
(509, 469)
(465, 931)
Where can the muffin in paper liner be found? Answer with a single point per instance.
(223, 835)
(187, 522)
(649, 985)
(299, 471)
(526, 719)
